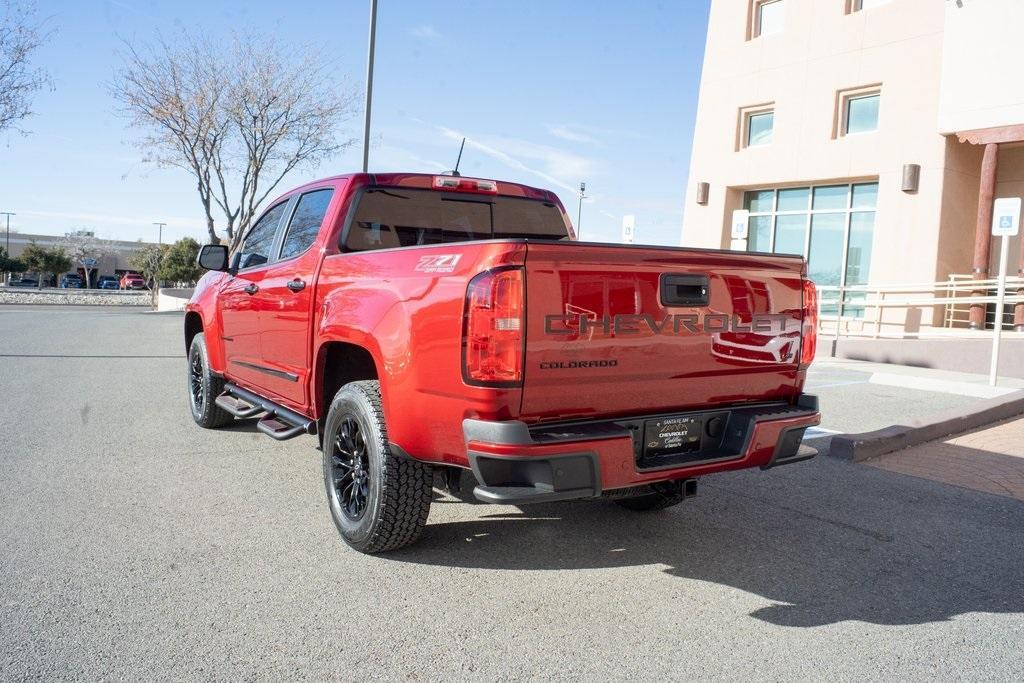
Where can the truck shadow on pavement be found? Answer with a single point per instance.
(826, 541)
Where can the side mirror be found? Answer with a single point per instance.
(213, 257)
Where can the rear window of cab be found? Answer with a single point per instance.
(390, 217)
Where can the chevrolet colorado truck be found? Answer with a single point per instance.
(423, 325)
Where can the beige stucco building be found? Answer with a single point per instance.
(816, 116)
(113, 257)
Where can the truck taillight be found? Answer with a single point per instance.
(809, 333)
(460, 184)
(492, 336)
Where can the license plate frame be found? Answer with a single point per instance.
(673, 435)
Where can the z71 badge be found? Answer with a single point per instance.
(443, 263)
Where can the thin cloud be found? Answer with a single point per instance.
(570, 134)
(576, 132)
(505, 158)
(426, 32)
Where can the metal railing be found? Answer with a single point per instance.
(933, 309)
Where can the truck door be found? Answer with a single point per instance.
(286, 300)
(239, 303)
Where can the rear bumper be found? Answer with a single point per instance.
(516, 463)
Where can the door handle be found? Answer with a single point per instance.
(251, 289)
(296, 285)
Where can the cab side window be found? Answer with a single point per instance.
(255, 249)
(306, 221)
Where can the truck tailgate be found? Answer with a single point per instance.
(615, 330)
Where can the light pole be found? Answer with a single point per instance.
(159, 252)
(369, 85)
(579, 211)
(7, 247)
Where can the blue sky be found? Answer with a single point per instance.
(547, 93)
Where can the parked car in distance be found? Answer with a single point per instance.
(108, 282)
(132, 281)
(71, 281)
(23, 282)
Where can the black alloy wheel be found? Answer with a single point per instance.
(378, 496)
(203, 387)
(350, 469)
(195, 383)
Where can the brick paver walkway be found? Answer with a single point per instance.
(990, 459)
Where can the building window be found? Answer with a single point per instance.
(860, 112)
(755, 125)
(830, 225)
(759, 128)
(769, 17)
(858, 5)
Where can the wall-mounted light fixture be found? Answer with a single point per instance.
(703, 190)
(911, 177)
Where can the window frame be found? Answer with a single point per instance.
(848, 210)
(755, 29)
(748, 120)
(357, 197)
(743, 128)
(842, 115)
(275, 244)
(279, 241)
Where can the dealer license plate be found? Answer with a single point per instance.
(672, 435)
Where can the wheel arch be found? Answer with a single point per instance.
(339, 362)
(193, 326)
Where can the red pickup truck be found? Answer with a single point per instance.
(426, 324)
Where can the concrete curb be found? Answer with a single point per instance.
(859, 447)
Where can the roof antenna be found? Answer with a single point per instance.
(459, 160)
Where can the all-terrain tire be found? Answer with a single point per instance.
(204, 387)
(392, 509)
(662, 495)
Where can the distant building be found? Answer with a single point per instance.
(868, 135)
(113, 258)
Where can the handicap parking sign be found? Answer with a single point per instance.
(1006, 216)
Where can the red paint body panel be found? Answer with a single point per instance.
(663, 372)
(273, 341)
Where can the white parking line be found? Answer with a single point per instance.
(812, 385)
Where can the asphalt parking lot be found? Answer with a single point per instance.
(137, 546)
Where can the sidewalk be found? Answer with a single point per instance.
(990, 459)
(859, 396)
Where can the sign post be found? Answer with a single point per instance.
(628, 229)
(738, 232)
(1005, 224)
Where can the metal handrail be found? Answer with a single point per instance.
(955, 295)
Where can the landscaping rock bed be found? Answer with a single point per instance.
(74, 297)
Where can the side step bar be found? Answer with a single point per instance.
(278, 422)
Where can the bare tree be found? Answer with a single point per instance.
(20, 36)
(82, 245)
(238, 119)
(174, 92)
